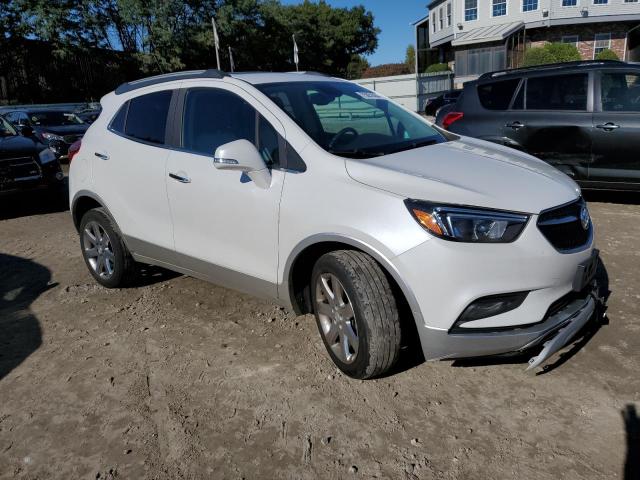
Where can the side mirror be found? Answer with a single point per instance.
(242, 155)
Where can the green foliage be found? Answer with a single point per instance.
(356, 67)
(410, 58)
(551, 53)
(607, 54)
(167, 35)
(437, 67)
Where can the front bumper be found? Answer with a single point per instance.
(553, 333)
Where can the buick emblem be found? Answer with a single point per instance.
(585, 219)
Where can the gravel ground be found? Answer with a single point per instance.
(177, 378)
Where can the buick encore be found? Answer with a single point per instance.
(333, 200)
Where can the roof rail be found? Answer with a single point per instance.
(310, 72)
(168, 77)
(551, 66)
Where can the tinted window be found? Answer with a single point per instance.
(620, 92)
(117, 123)
(214, 117)
(147, 116)
(53, 118)
(497, 95)
(268, 143)
(557, 92)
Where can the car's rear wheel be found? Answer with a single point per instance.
(356, 313)
(104, 251)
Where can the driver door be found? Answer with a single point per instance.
(225, 226)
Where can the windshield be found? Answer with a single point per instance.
(53, 118)
(348, 120)
(6, 129)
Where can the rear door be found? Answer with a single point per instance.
(551, 118)
(129, 163)
(616, 127)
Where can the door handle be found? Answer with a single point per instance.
(514, 125)
(608, 127)
(180, 178)
(102, 156)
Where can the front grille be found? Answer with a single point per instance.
(71, 138)
(14, 170)
(562, 227)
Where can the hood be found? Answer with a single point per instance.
(62, 130)
(18, 146)
(468, 172)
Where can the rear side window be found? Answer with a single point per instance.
(620, 92)
(117, 124)
(557, 92)
(497, 95)
(147, 117)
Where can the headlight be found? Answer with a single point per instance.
(46, 156)
(467, 224)
(52, 137)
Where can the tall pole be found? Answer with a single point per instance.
(216, 41)
(231, 64)
(295, 52)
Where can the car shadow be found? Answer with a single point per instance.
(574, 346)
(148, 275)
(632, 430)
(22, 281)
(34, 202)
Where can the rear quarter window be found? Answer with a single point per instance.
(497, 95)
(147, 117)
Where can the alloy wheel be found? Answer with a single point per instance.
(98, 249)
(337, 318)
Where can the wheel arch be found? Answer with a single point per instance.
(297, 271)
(83, 201)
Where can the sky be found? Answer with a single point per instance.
(394, 18)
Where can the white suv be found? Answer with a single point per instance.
(333, 200)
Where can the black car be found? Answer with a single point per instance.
(433, 104)
(54, 127)
(582, 117)
(26, 163)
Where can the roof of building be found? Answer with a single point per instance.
(490, 33)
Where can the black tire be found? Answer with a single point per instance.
(375, 310)
(123, 271)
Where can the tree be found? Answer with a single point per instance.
(410, 58)
(356, 67)
(607, 54)
(166, 35)
(551, 53)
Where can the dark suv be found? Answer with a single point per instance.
(582, 117)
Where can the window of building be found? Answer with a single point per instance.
(529, 5)
(600, 2)
(433, 21)
(573, 39)
(499, 8)
(470, 10)
(147, 116)
(497, 95)
(602, 41)
(441, 12)
(569, 3)
(620, 92)
(448, 14)
(477, 61)
(630, 1)
(557, 92)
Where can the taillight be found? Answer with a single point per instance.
(73, 149)
(451, 117)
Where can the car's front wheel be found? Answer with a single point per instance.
(104, 251)
(356, 313)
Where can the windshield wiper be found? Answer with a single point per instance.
(356, 153)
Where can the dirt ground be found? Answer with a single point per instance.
(177, 378)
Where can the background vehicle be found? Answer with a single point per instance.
(368, 232)
(25, 163)
(433, 104)
(54, 127)
(581, 117)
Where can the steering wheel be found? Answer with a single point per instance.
(341, 133)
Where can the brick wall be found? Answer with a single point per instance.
(586, 34)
